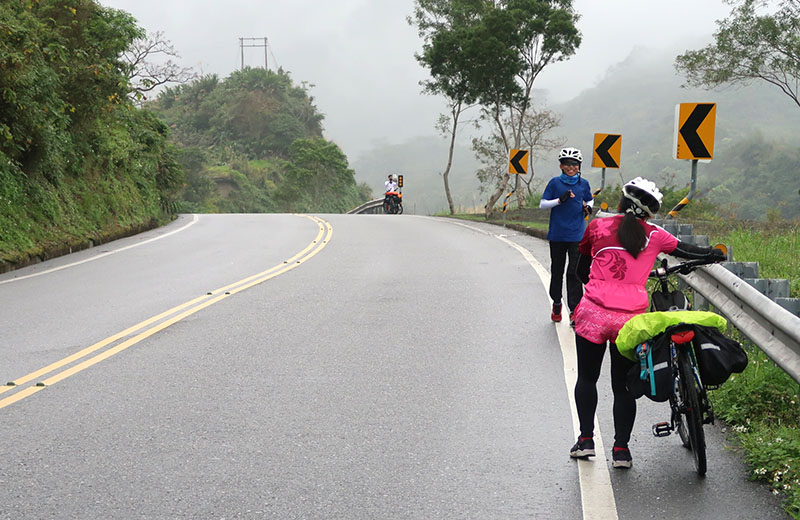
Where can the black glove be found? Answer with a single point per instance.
(718, 255)
(587, 210)
(564, 197)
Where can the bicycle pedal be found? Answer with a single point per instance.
(662, 429)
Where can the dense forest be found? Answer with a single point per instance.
(81, 162)
(253, 143)
(77, 161)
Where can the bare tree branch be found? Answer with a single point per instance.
(148, 64)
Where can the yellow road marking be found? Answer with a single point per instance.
(193, 306)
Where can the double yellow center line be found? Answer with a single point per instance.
(150, 326)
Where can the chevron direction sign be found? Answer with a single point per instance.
(518, 162)
(694, 130)
(607, 150)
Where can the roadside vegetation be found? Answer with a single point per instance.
(77, 161)
(252, 142)
(85, 158)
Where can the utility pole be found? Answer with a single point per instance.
(250, 43)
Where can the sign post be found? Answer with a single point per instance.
(695, 124)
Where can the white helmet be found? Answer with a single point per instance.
(570, 153)
(645, 196)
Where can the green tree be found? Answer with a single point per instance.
(317, 177)
(545, 33)
(750, 46)
(77, 160)
(466, 51)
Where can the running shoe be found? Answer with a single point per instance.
(556, 314)
(621, 458)
(583, 448)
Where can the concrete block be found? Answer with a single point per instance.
(742, 269)
(770, 287)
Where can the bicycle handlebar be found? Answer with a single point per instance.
(682, 268)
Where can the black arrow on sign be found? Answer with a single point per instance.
(516, 159)
(602, 151)
(689, 130)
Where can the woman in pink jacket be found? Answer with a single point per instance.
(616, 256)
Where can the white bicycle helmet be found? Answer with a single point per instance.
(645, 196)
(570, 153)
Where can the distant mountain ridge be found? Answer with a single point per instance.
(756, 165)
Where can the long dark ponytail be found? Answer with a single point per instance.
(630, 233)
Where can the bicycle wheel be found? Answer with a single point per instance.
(693, 414)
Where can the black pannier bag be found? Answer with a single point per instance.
(652, 375)
(717, 356)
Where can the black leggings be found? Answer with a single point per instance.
(560, 253)
(590, 359)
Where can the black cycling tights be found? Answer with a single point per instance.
(590, 359)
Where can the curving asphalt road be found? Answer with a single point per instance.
(330, 366)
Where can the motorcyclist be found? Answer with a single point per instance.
(391, 191)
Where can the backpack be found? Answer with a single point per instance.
(652, 376)
(717, 356)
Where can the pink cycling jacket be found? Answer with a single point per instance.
(617, 279)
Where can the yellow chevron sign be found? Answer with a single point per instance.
(607, 150)
(694, 130)
(518, 162)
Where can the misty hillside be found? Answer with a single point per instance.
(756, 153)
(420, 161)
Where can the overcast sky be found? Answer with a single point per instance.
(359, 54)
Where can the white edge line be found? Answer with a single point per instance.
(194, 220)
(597, 494)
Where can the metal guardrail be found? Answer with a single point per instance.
(772, 328)
(371, 207)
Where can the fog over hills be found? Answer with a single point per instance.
(637, 99)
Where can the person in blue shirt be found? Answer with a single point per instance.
(569, 199)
